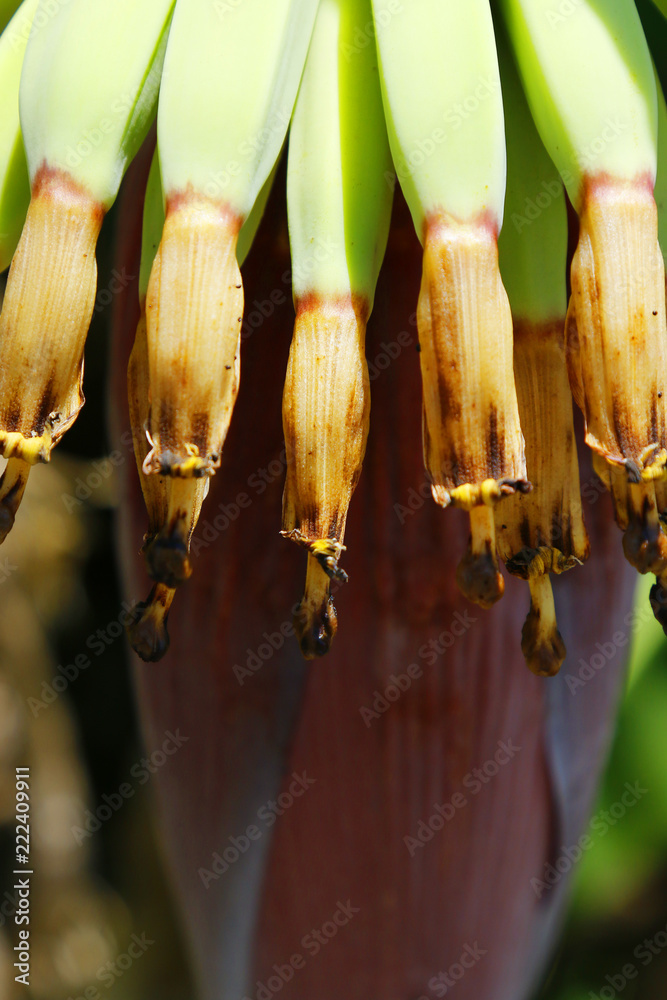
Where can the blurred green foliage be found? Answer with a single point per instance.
(620, 891)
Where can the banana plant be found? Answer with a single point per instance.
(487, 116)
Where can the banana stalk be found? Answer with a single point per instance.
(542, 532)
(339, 193)
(108, 54)
(442, 98)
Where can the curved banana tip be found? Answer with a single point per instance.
(12, 487)
(644, 541)
(479, 578)
(148, 633)
(541, 643)
(315, 620)
(645, 550)
(167, 560)
(658, 599)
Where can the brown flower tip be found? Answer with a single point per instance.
(45, 317)
(618, 294)
(541, 642)
(148, 634)
(194, 309)
(478, 575)
(12, 487)
(315, 620)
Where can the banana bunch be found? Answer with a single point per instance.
(369, 91)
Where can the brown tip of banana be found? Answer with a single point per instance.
(148, 632)
(167, 553)
(541, 643)
(477, 575)
(644, 542)
(315, 620)
(167, 560)
(12, 487)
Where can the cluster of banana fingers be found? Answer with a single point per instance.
(369, 90)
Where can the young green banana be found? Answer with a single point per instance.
(14, 183)
(339, 207)
(88, 90)
(542, 532)
(173, 504)
(442, 99)
(213, 168)
(593, 98)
